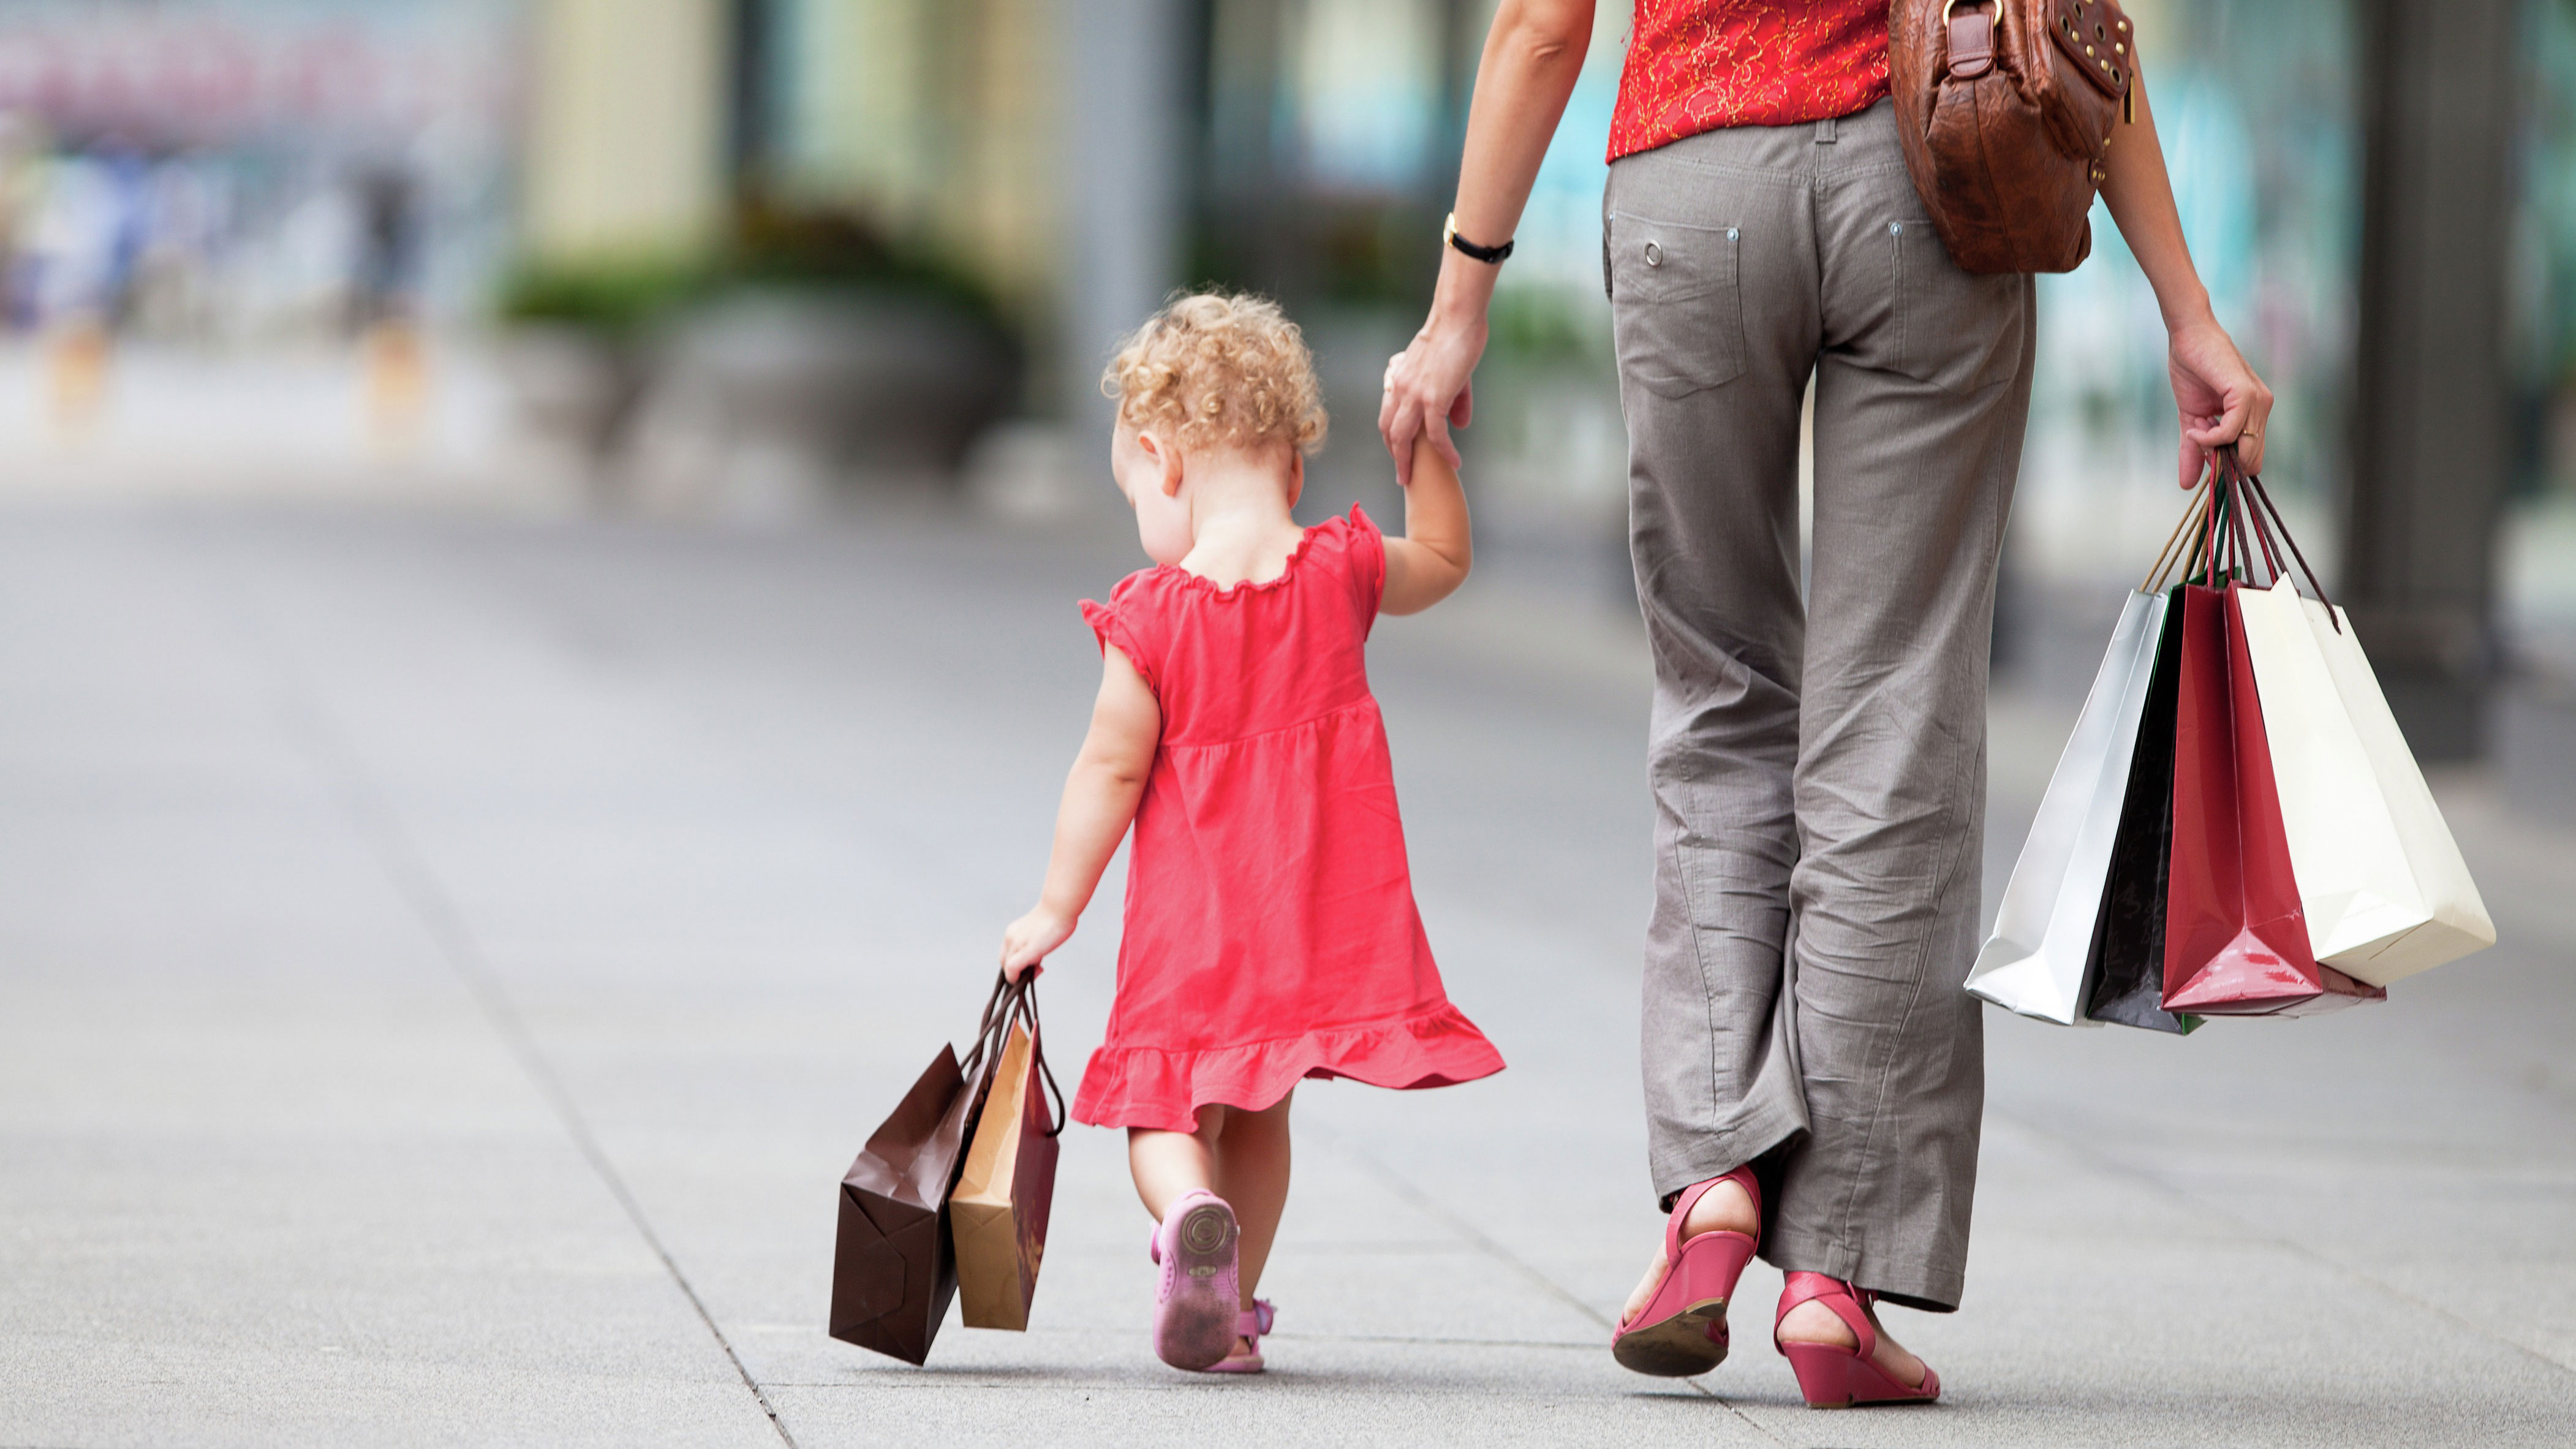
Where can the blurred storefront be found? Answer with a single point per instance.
(727, 235)
(252, 168)
(226, 225)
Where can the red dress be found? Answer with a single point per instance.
(1697, 65)
(1271, 933)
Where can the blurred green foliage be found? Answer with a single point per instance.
(773, 248)
(613, 296)
(1546, 326)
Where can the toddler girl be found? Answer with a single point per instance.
(1271, 933)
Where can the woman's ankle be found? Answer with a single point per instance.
(1813, 1322)
(1725, 1208)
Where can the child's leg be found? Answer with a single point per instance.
(1238, 1155)
(1168, 1164)
(1252, 1176)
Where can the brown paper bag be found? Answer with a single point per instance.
(998, 1215)
(892, 1269)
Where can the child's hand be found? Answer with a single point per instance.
(1028, 940)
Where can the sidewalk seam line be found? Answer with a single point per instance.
(1404, 1187)
(410, 874)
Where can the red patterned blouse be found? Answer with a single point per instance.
(1696, 65)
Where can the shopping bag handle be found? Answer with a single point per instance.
(2252, 483)
(1016, 1001)
(2226, 532)
(1037, 1048)
(2180, 543)
(995, 1023)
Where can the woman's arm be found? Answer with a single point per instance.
(1099, 804)
(2218, 396)
(1431, 560)
(1533, 52)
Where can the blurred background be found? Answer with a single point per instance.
(756, 262)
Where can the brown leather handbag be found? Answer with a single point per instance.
(2005, 109)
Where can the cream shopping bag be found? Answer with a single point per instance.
(2381, 882)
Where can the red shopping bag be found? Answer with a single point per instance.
(2236, 940)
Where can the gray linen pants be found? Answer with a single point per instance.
(1819, 767)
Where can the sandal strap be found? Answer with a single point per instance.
(1689, 1198)
(1848, 1304)
(1255, 1321)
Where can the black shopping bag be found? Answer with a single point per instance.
(2127, 969)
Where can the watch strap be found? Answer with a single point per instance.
(1491, 256)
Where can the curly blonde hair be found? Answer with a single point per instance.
(1219, 370)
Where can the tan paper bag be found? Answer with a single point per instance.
(2381, 882)
(998, 1214)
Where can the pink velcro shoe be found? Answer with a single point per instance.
(1682, 1329)
(1248, 1326)
(1195, 1304)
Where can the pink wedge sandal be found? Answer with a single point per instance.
(1835, 1377)
(1249, 1325)
(1682, 1329)
(1194, 1305)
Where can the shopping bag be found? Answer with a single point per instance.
(997, 1217)
(2381, 881)
(2236, 938)
(2126, 970)
(2384, 889)
(2046, 927)
(2460, 923)
(892, 1270)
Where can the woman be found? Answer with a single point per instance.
(1814, 1071)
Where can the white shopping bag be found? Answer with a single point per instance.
(2034, 963)
(2380, 880)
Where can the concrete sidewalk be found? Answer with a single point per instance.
(446, 963)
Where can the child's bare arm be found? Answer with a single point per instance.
(1100, 799)
(1431, 560)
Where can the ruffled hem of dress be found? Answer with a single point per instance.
(1158, 1088)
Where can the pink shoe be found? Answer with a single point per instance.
(1682, 1329)
(1249, 1325)
(1194, 1307)
(1835, 1377)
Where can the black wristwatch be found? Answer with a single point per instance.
(1491, 256)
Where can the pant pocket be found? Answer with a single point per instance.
(1960, 331)
(1676, 306)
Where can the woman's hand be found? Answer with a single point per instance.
(1430, 389)
(2220, 399)
(1028, 940)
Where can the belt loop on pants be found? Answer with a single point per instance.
(1825, 131)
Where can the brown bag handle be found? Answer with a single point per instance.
(2231, 520)
(1003, 989)
(2253, 483)
(1016, 1001)
(1037, 1049)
